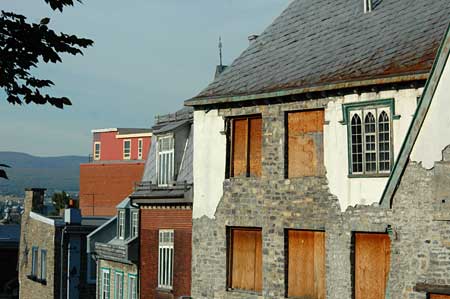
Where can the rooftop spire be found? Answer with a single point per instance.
(220, 51)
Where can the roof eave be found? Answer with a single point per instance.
(213, 100)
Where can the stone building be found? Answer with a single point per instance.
(164, 198)
(115, 247)
(294, 145)
(52, 254)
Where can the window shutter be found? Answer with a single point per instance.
(240, 147)
(255, 146)
(372, 263)
(306, 264)
(246, 260)
(305, 143)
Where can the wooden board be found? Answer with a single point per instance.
(305, 143)
(372, 264)
(255, 146)
(306, 264)
(239, 153)
(433, 296)
(246, 260)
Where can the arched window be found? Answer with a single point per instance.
(370, 143)
(384, 140)
(370, 139)
(357, 147)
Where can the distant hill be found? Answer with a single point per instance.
(52, 173)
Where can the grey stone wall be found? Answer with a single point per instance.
(419, 251)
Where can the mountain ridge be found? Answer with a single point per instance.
(29, 171)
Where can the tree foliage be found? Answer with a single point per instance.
(60, 201)
(23, 46)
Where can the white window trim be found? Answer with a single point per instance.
(121, 224)
(97, 156)
(165, 274)
(132, 292)
(362, 112)
(118, 287)
(107, 294)
(125, 155)
(171, 158)
(140, 148)
(134, 223)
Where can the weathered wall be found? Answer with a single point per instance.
(276, 204)
(435, 132)
(103, 186)
(113, 267)
(43, 236)
(210, 147)
(209, 161)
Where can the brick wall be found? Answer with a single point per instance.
(103, 186)
(151, 221)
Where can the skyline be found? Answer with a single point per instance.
(137, 68)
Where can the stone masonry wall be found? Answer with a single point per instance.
(276, 204)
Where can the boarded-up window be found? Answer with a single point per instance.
(305, 143)
(306, 264)
(246, 143)
(436, 296)
(372, 263)
(245, 259)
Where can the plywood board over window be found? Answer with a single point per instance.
(436, 296)
(306, 264)
(372, 263)
(245, 259)
(305, 143)
(246, 146)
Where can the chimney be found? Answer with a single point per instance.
(219, 70)
(34, 200)
(252, 38)
(72, 215)
(368, 6)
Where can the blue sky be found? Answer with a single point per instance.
(149, 56)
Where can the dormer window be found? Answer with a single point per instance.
(166, 154)
(121, 225)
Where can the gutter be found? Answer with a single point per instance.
(203, 101)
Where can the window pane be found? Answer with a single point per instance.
(356, 137)
(370, 143)
(384, 142)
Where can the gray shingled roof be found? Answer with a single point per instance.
(322, 42)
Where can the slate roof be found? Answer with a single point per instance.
(9, 235)
(324, 42)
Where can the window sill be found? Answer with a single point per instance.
(34, 278)
(164, 290)
(368, 176)
(231, 290)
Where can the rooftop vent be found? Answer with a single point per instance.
(368, 6)
(252, 38)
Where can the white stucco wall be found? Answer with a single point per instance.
(365, 191)
(209, 162)
(434, 135)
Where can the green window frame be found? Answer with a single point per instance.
(370, 137)
(132, 292)
(118, 284)
(105, 293)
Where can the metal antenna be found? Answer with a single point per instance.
(220, 50)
